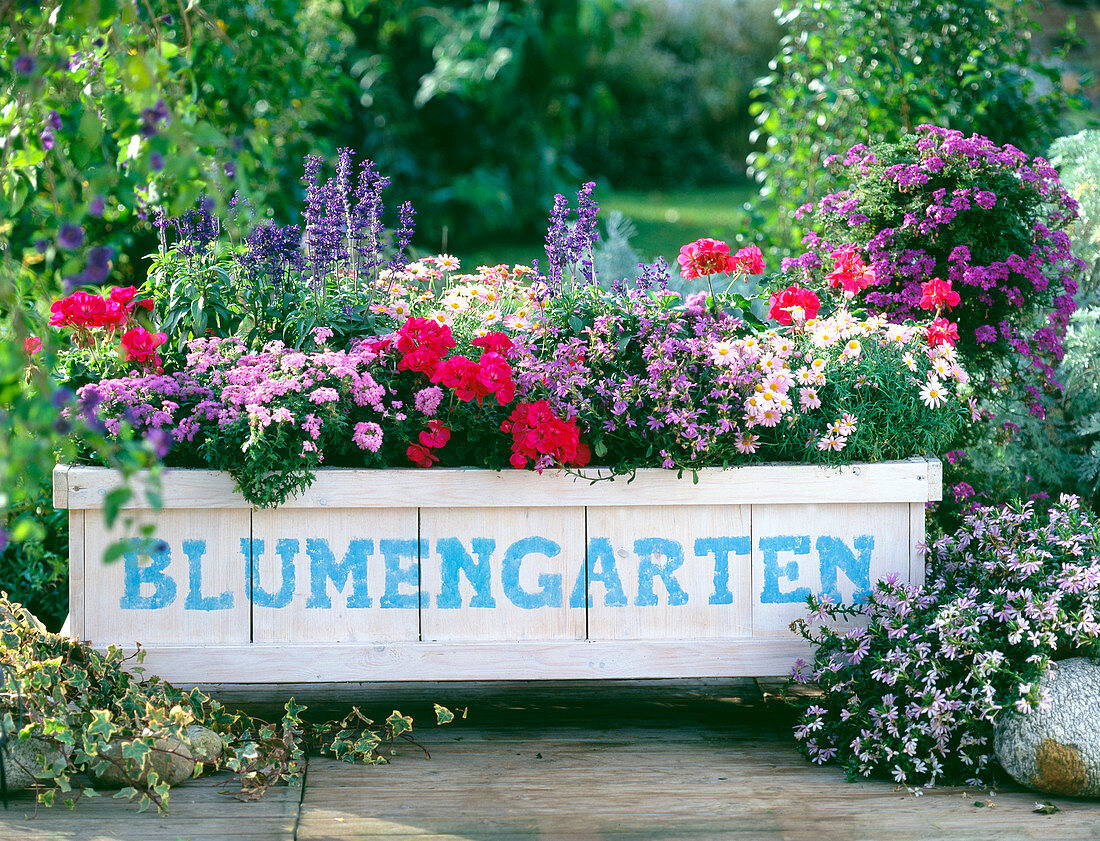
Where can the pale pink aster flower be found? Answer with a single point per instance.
(747, 443)
(933, 394)
(808, 398)
(722, 353)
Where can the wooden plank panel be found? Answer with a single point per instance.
(918, 556)
(335, 575)
(669, 573)
(835, 549)
(61, 486)
(76, 573)
(911, 480)
(447, 661)
(187, 584)
(502, 574)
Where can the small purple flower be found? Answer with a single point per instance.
(156, 161)
(41, 244)
(230, 170)
(46, 138)
(160, 441)
(54, 121)
(96, 207)
(25, 65)
(70, 236)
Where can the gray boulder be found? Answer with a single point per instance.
(206, 745)
(171, 759)
(1057, 751)
(22, 758)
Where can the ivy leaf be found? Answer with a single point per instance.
(101, 726)
(444, 715)
(399, 723)
(1045, 808)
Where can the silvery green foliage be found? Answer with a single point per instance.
(1077, 158)
(614, 258)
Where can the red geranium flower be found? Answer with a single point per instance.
(436, 435)
(80, 309)
(705, 257)
(942, 332)
(937, 294)
(423, 342)
(32, 344)
(749, 260)
(794, 304)
(123, 294)
(421, 456)
(142, 345)
(849, 272)
(539, 435)
(495, 342)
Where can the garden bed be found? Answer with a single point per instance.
(467, 574)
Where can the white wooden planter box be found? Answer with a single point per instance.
(464, 574)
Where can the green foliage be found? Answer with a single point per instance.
(857, 71)
(1078, 160)
(1039, 456)
(74, 701)
(35, 571)
(671, 93)
(469, 107)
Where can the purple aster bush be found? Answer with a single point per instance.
(987, 218)
(914, 679)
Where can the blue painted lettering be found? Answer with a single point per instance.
(135, 575)
(393, 552)
(771, 547)
(600, 567)
(835, 555)
(194, 550)
(323, 566)
(647, 549)
(454, 559)
(550, 592)
(721, 547)
(287, 550)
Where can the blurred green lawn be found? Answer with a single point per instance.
(664, 221)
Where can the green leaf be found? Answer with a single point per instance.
(443, 715)
(399, 723)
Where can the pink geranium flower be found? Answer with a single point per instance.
(794, 304)
(705, 257)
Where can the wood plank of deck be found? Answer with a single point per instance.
(623, 763)
(628, 761)
(197, 811)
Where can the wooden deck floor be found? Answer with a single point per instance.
(625, 762)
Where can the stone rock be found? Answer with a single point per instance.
(206, 745)
(21, 758)
(172, 760)
(1057, 750)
